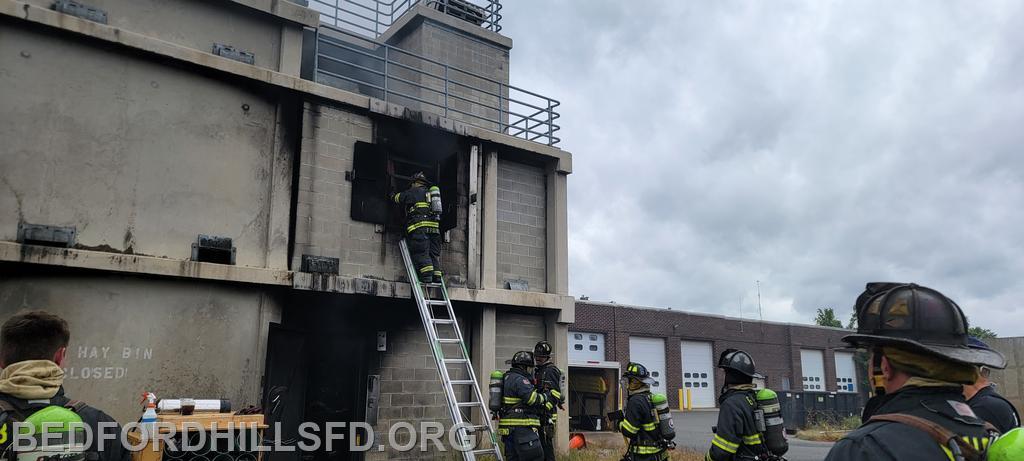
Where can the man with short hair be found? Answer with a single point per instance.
(33, 347)
(985, 401)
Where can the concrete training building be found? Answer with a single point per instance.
(199, 188)
(681, 349)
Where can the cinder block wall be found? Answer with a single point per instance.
(1010, 382)
(774, 347)
(522, 225)
(324, 226)
(436, 39)
(516, 332)
(410, 386)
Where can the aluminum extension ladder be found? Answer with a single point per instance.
(460, 410)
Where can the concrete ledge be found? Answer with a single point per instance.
(393, 289)
(285, 10)
(35, 14)
(117, 262)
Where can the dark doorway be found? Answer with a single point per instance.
(318, 354)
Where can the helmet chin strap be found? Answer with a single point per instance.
(878, 380)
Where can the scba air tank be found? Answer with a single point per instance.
(769, 422)
(666, 426)
(496, 384)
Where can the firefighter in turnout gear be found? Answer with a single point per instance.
(920, 361)
(421, 203)
(737, 436)
(638, 421)
(521, 407)
(983, 398)
(549, 381)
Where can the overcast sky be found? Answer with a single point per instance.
(813, 146)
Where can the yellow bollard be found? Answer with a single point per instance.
(689, 400)
(681, 407)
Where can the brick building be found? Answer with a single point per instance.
(681, 348)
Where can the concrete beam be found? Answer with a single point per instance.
(117, 262)
(473, 219)
(393, 289)
(489, 235)
(286, 10)
(484, 352)
(557, 233)
(557, 333)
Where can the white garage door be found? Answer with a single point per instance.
(586, 346)
(650, 352)
(813, 365)
(698, 373)
(846, 372)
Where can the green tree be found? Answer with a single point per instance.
(827, 318)
(852, 324)
(981, 333)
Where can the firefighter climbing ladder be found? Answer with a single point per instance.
(460, 410)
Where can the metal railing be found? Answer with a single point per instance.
(349, 61)
(372, 17)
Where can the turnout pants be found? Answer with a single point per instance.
(547, 441)
(425, 251)
(523, 444)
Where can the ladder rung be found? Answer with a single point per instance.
(431, 285)
(484, 451)
(449, 341)
(437, 302)
(469, 404)
(464, 382)
(443, 321)
(455, 360)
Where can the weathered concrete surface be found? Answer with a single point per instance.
(198, 24)
(117, 262)
(34, 14)
(132, 334)
(139, 156)
(390, 289)
(1010, 382)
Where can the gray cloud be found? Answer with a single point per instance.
(814, 146)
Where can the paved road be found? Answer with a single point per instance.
(693, 430)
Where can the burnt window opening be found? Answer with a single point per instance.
(380, 171)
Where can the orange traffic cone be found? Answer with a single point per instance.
(577, 441)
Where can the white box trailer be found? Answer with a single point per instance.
(593, 393)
